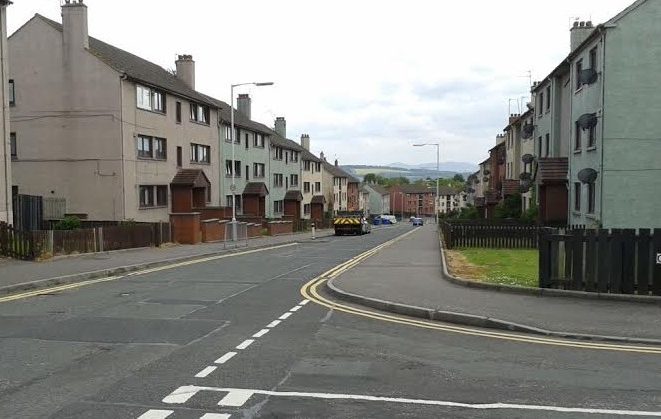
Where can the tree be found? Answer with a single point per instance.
(459, 178)
(509, 208)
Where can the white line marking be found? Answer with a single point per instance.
(205, 372)
(294, 309)
(304, 302)
(274, 323)
(236, 395)
(245, 344)
(223, 359)
(284, 316)
(261, 333)
(156, 414)
(215, 416)
(236, 398)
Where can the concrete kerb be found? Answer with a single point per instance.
(121, 270)
(471, 319)
(541, 292)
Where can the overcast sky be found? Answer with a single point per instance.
(365, 79)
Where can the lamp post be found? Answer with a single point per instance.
(438, 154)
(232, 133)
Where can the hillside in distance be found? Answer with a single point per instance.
(393, 171)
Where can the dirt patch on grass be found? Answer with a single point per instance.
(459, 266)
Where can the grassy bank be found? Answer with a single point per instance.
(501, 266)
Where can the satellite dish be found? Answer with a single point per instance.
(587, 175)
(527, 158)
(587, 120)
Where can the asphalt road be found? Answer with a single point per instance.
(233, 338)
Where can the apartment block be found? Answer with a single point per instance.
(413, 200)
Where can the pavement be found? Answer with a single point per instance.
(407, 278)
(16, 276)
(232, 337)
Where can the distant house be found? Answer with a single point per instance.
(335, 186)
(413, 200)
(379, 199)
(450, 199)
(353, 194)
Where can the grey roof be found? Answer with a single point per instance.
(378, 188)
(335, 170)
(446, 190)
(138, 69)
(306, 155)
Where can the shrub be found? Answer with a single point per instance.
(68, 223)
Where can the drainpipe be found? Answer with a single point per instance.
(603, 107)
(5, 119)
(121, 124)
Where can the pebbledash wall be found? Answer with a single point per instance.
(6, 213)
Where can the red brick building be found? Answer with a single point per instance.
(409, 200)
(353, 194)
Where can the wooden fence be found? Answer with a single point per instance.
(604, 261)
(30, 245)
(499, 236)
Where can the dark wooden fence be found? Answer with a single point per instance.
(605, 261)
(499, 236)
(19, 244)
(28, 212)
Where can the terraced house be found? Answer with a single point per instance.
(285, 168)
(314, 201)
(102, 128)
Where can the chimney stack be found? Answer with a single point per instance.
(281, 126)
(305, 141)
(579, 33)
(243, 105)
(321, 156)
(186, 70)
(336, 163)
(514, 117)
(74, 24)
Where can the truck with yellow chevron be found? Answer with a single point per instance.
(351, 222)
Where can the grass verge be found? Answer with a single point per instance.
(500, 266)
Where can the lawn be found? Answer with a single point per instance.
(501, 266)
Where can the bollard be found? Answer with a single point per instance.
(313, 232)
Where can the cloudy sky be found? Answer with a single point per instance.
(365, 79)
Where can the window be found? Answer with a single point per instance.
(237, 135)
(317, 186)
(278, 206)
(547, 145)
(200, 153)
(150, 99)
(178, 112)
(12, 146)
(152, 147)
(591, 197)
(228, 168)
(258, 140)
(161, 195)
(593, 58)
(577, 196)
(541, 104)
(307, 208)
(278, 153)
(306, 187)
(592, 136)
(294, 156)
(577, 140)
(180, 157)
(259, 169)
(539, 149)
(294, 180)
(229, 199)
(11, 93)
(306, 165)
(228, 133)
(153, 196)
(237, 168)
(548, 99)
(579, 69)
(277, 180)
(317, 167)
(247, 140)
(199, 113)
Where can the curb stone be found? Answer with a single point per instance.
(471, 319)
(542, 292)
(105, 273)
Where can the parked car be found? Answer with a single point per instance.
(417, 222)
(377, 220)
(388, 219)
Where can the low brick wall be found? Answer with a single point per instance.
(212, 231)
(254, 230)
(278, 228)
(186, 228)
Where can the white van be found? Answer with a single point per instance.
(391, 218)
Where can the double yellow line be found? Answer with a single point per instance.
(311, 292)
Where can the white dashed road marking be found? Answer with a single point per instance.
(237, 397)
(156, 414)
(294, 309)
(304, 302)
(284, 316)
(274, 323)
(215, 416)
(205, 372)
(223, 359)
(245, 344)
(261, 333)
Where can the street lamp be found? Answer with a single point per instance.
(233, 187)
(438, 154)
